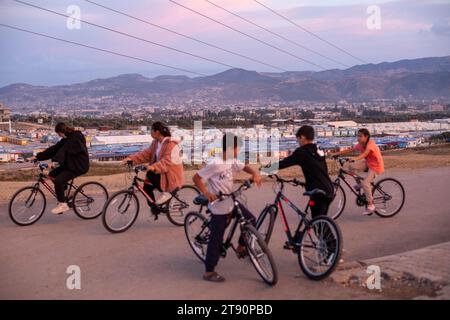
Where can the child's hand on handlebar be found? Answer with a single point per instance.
(210, 196)
(127, 161)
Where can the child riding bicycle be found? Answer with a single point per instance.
(369, 160)
(219, 176)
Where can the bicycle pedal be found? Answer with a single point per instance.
(288, 246)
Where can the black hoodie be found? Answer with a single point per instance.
(70, 152)
(314, 167)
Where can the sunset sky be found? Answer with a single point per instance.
(409, 29)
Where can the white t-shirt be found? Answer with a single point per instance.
(219, 176)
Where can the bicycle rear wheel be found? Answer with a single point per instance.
(320, 248)
(260, 255)
(338, 204)
(89, 200)
(120, 211)
(266, 221)
(27, 206)
(196, 229)
(388, 197)
(181, 203)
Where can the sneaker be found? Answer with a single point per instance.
(163, 197)
(60, 208)
(369, 210)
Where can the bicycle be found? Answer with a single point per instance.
(28, 204)
(317, 242)
(197, 230)
(384, 193)
(122, 209)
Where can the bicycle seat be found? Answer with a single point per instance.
(200, 200)
(314, 192)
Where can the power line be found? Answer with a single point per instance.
(125, 34)
(247, 35)
(308, 31)
(100, 49)
(186, 36)
(276, 34)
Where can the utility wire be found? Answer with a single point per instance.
(186, 36)
(100, 49)
(276, 34)
(125, 34)
(247, 35)
(308, 31)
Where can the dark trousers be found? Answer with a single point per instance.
(321, 205)
(60, 178)
(153, 182)
(217, 226)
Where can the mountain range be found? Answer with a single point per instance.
(416, 79)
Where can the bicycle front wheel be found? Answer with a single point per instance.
(388, 197)
(27, 206)
(89, 200)
(338, 204)
(181, 203)
(196, 228)
(320, 248)
(120, 211)
(260, 255)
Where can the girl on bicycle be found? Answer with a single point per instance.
(369, 160)
(165, 169)
(72, 155)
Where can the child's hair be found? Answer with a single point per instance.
(229, 138)
(162, 128)
(306, 131)
(364, 132)
(61, 127)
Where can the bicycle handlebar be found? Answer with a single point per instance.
(244, 186)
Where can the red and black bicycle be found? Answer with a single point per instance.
(28, 204)
(122, 209)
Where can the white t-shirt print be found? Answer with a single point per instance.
(219, 176)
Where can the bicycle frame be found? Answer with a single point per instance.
(304, 220)
(43, 179)
(341, 176)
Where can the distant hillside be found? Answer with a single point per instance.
(425, 78)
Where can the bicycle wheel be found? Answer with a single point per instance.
(120, 211)
(320, 248)
(260, 255)
(338, 204)
(388, 197)
(266, 221)
(181, 203)
(89, 200)
(27, 206)
(196, 228)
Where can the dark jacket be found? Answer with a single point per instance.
(313, 163)
(70, 152)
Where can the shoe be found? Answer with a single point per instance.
(163, 197)
(369, 210)
(60, 208)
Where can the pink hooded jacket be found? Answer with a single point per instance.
(169, 164)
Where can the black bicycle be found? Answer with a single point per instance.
(197, 230)
(388, 193)
(317, 242)
(28, 204)
(122, 209)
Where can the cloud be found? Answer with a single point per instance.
(441, 28)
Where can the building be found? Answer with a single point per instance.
(5, 113)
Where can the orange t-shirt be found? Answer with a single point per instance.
(374, 159)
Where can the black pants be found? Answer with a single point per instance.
(154, 182)
(217, 226)
(60, 178)
(321, 205)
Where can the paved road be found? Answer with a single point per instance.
(152, 260)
